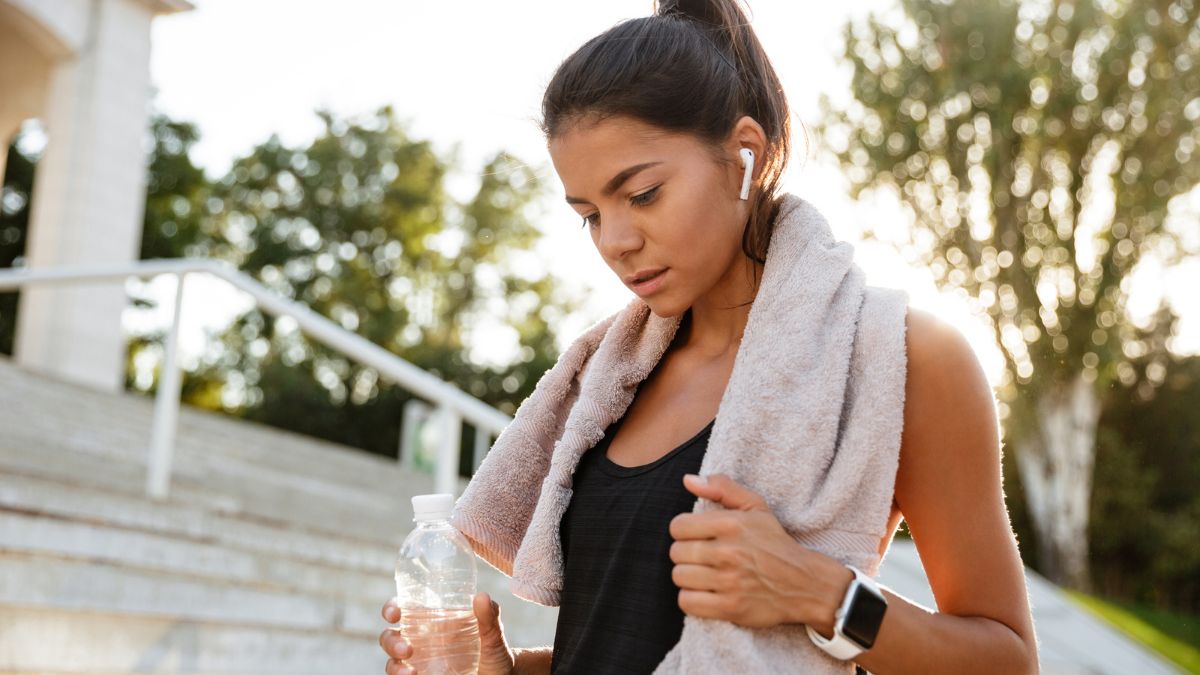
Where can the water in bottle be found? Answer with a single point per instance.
(435, 581)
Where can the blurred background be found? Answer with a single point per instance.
(373, 265)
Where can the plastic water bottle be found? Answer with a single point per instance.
(435, 582)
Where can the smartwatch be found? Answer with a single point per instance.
(857, 621)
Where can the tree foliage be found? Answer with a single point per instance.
(358, 226)
(1145, 529)
(176, 190)
(1035, 148)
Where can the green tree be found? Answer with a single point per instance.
(175, 224)
(176, 191)
(357, 225)
(1145, 529)
(1035, 147)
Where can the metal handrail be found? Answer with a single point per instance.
(453, 405)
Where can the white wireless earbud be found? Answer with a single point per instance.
(748, 162)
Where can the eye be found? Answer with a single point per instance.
(645, 197)
(637, 200)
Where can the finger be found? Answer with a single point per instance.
(704, 604)
(397, 667)
(695, 551)
(725, 491)
(707, 525)
(491, 631)
(487, 614)
(394, 644)
(391, 611)
(695, 577)
(494, 654)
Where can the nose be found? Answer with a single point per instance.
(619, 235)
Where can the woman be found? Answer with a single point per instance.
(670, 134)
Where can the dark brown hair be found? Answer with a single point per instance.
(694, 66)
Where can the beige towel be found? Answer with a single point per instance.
(811, 420)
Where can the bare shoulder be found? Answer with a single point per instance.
(935, 346)
(949, 410)
(944, 376)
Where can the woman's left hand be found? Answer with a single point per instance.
(739, 564)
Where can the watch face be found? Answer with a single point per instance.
(865, 616)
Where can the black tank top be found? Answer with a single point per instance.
(619, 609)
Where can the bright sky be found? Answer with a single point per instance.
(470, 74)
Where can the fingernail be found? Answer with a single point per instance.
(696, 478)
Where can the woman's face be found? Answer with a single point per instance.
(655, 199)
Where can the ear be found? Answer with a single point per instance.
(747, 133)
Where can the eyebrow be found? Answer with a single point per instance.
(616, 181)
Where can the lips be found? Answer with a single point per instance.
(653, 283)
(644, 275)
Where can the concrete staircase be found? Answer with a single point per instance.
(273, 554)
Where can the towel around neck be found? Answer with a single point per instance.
(811, 419)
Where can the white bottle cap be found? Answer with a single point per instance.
(432, 507)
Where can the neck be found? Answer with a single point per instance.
(712, 327)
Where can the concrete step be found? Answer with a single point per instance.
(161, 537)
(131, 414)
(283, 456)
(258, 469)
(34, 580)
(58, 587)
(51, 537)
(52, 460)
(246, 495)
(96, 508)
(194, 523)
(274, 552)
(42, 640)
(206, 458)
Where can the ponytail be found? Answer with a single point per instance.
(694, 66)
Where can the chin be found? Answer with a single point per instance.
(665, 309)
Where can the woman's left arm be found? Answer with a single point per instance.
(740, 565)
